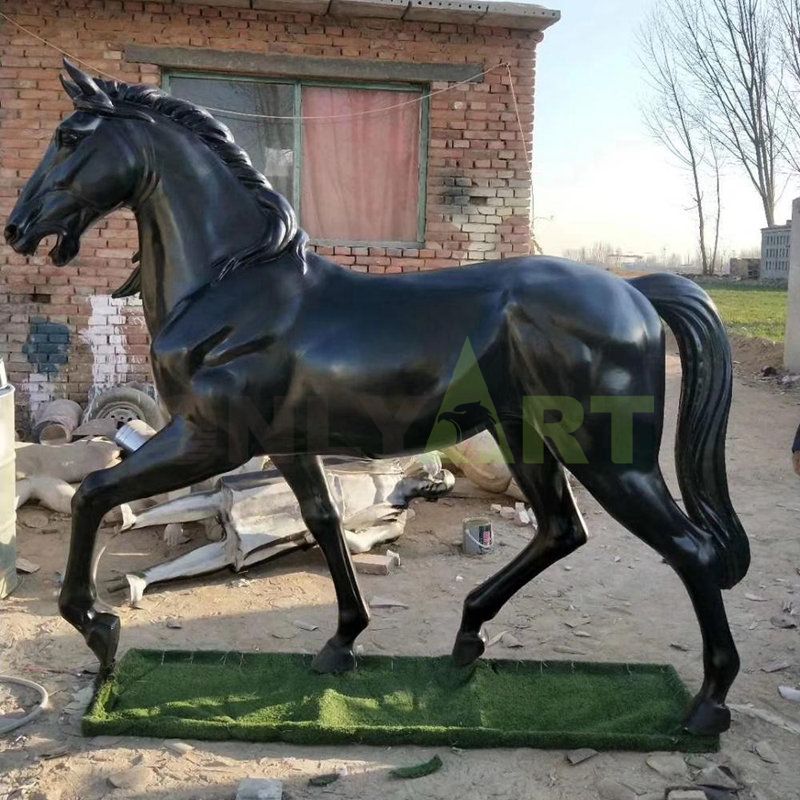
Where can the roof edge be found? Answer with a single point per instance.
(516, 15)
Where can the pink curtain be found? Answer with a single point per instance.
(360, 174)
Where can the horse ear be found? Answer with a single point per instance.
(84, 81)
(89, 93)
(70, 88)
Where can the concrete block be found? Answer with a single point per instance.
(385, 9)
(373, 564)
(445, 11)
(524, 16)
(686, 794)
(259, 789)
(293, 6)
(791, 351)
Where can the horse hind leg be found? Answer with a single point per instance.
(561, 530)
(641, 501)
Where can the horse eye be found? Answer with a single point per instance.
(68, 138)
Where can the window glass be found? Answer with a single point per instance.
(358, 171)
(269, 143)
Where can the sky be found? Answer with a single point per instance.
(598, 173)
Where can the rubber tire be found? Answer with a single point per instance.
(124, 403)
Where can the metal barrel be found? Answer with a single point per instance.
(56, 422)
(8, 517)
(132, 435)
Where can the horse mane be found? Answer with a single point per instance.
(218, 138)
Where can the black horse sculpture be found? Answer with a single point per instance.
(260, 346)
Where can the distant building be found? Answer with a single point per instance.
(748, 268)
(775, 252)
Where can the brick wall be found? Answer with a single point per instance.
(60, 332)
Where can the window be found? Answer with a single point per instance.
(354, 168)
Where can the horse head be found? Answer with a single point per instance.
(89, 169)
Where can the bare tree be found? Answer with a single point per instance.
(729, 49)
(674, 119)
(789, 12)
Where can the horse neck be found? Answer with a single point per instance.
(195, 217)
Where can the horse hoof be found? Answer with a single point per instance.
(102, 635)
(707, 718)
(333, 659)
(468, 648)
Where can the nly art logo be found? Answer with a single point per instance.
(467, 407)
(554, 422)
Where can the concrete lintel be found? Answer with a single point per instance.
(384, 9)
(445, 11)
(293, 6)
(229, 3)
(521, 16)
(290, 66)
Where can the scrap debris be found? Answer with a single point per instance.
(324, 780)
(749, 710)
(521, 516)
(260, 789)
(789, 693)
(386, 602)
(25, 566)
(505, 638)
(580, 755)
(179, 748)
(776, 666)
(670, 767)
(717, 777)
(374, 564)
(11, 722)
(133, 779)
(80, 701)
(418, 770)
(764, 751)
(260, 518)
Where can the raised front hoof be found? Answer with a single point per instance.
(707, 718)
(101, 632)
(333, 659)
(468, 648)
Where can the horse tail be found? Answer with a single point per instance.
(706, 390)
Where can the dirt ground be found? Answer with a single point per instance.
(636, 607)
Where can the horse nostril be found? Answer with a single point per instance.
(11, 233)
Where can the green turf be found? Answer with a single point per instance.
(424, 701)
(749, 309)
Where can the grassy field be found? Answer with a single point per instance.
(749, 309)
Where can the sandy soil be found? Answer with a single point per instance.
(637, 609)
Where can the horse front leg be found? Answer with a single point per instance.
(178, 455)
(306, 477)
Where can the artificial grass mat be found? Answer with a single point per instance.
(394, 700)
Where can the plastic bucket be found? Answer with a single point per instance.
(478, 536)
(8, 517)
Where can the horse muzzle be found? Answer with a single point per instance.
(24, 232)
